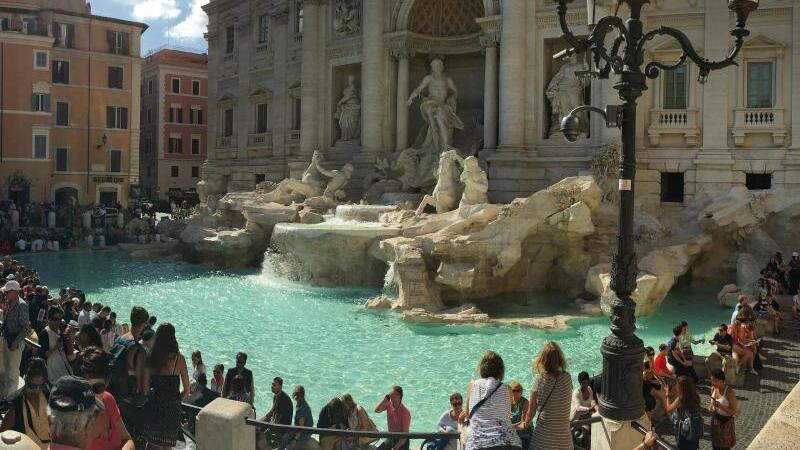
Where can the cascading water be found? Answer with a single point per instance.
(390, 288)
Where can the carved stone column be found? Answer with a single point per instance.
(490, 43)
(309, 91)
(372, 76)
(402, 56)
(512, 74)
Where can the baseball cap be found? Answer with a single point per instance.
(795, 255)
(11, 277)
(11, 285)
(72, 393)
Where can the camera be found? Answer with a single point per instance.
(571, 128)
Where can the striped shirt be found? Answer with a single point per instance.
(490, 425)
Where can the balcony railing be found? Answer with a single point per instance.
(753, 121)
(226, 142)
(676, 122)
(294, 135)
(31, 27)
(259, 140)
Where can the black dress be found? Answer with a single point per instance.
(163, 421)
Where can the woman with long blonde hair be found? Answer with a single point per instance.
(551, 398)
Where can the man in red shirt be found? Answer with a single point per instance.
(398, 418)
(660, 363)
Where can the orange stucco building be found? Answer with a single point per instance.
(69, 103)
(174, 120)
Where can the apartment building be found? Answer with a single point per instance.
(69, 104)
(174, 118)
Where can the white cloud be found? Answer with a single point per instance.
(154, 9)
(193, 26)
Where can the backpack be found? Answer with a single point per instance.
(119, 382)
(688, 426)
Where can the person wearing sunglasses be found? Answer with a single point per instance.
(52, 341)
(217, 380)
(95, 369)
(448, 423)
(519, 404)
(28, 413)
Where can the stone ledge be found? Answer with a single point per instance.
(782, 430)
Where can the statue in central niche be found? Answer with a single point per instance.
(438, 108)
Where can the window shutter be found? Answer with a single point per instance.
(111, 41)
(110, 113)
(124, 118)
(111, 77)
(47, 103)
(33, 102)
(57, 34)
(199, 116)
(180, 115)
(70, 35)
(126, 44)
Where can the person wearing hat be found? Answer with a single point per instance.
(16, 328)
(53, 343)
(28, 412)
(75, 414)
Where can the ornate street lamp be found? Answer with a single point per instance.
(622, 350)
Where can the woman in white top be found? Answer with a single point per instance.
(56, 359)
(489, 408)
(723, 407)
(197, 364)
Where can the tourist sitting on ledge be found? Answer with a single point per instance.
(744, 346)
(742, 311)
(768, 308)
(724, 342)
(675, 359)
(398, 418)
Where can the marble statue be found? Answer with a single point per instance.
(348, 112)
(347, 17)
(565, 93)
(392, 175)
(438, 108)
(338, 181)
(448, 185)
(14, 217)
(476, 183)
(312, 184)
(212, 184)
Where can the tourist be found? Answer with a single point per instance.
(652, 390)
(650, 355)
(217, 380)
(201, 399)
(116, 326)
(15, 329)
(675, 357)
(85, 316)
(796, 303)
(127, 378)
(649, 441)
(332, 416)
(28, 409)
(238, 390)
(723, 409)
(302, 418)
(95, 369)
(197, 364)
(550, 397)
(686, 341)
(167, 372)
(52, 345)
(582, 407)
(724, 341)
(793, 275)
(743, 312)
(108, 335)
(74, 413)
(240, 369)
(398, 418)
(743, 348)
(89, 337)
(281, 411)
(519, 406)
(685, 411)
(660, 367)
(358, 420)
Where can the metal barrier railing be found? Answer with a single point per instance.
(659, 442)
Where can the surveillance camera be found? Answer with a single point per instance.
(571, 128)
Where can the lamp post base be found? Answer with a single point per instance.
(622, 397)
(610, 434)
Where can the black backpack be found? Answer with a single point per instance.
(119, 383)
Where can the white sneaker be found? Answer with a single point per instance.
(753, 371)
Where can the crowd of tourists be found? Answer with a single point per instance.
(95, 383)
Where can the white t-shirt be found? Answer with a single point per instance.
(796, 300)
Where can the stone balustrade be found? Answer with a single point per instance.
(226, 142)
(259, 140)
(674, 121)
(753, 121)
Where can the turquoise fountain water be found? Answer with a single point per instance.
(324, 339)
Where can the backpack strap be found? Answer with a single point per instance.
(483, 400)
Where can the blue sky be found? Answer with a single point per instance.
(177, 23)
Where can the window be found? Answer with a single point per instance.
(5, 24)
(260, 178)
(676, 94)
(760, 84)
(175, 145)
(62, 114)
(176, 115)
(195, 146)
(230, 39)
(150, 87)
(64, 34)
(118, 42)
(117, 117)
(227, 128)
(298, 17)
(115, 75)
(758, 181)
(40, 60)
(196, 116)
(61, 72)
(61, 160)
(263, 29)
(148, 145)
(672, 187)
(195, 87)
(39, 146)
(297, 114)
(173, 171)
(40, 102)
(261, 118)
(195, 171)
(176, 85)
(149, 115)
(115, 161)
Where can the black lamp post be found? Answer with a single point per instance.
(622, 350)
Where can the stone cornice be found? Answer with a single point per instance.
(549, 19)
(492, 27)
(417, 43)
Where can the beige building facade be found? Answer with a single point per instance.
(279, 70)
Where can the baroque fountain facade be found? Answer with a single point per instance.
(416, 143)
